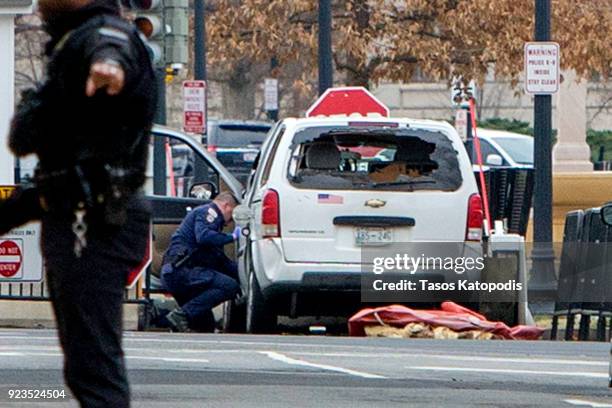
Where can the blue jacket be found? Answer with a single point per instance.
(201, 233)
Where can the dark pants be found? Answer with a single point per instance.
(87, 297)
(197, 290)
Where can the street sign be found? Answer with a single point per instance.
(542, 68)
(194, 107)
(5, 191)
(461, 123)
(271, 94)
(347, 101)
(461, 94)
(20, 258)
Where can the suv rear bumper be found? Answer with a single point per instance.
(343, 293)
(336, 282)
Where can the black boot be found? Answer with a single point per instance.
(178, 320)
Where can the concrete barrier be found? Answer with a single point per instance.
(39, 314)
(575, 191)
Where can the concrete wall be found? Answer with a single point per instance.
(39, 314)
(496, 99)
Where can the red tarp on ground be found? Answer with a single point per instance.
(451, 315)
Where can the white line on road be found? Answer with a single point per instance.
(456, 357)
(146, 337)
(59, 354)
(288, 360)
(170, 359)
(511, 371)
(341, 354)
(588, 403)
(32, 353)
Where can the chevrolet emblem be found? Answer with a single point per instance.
(375, 203)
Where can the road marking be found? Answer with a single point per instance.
(511, 371)
(343, 354)
(456, 357)
(30, 353)
(169, 359)
(292, 361)
(166, 359)
(588, 403)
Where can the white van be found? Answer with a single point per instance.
(327, 188)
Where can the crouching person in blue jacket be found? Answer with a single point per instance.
(195, 269)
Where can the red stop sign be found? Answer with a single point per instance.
(10, 258)
(347, 101)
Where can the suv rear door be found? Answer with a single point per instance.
(341, 210)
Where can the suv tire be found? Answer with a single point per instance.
(259, 317)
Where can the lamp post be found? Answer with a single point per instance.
(543, 282)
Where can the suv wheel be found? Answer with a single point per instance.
(259, 318)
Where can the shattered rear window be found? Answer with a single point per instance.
(346, 158)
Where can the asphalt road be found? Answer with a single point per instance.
(197, 370)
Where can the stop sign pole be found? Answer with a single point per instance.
(326, 78)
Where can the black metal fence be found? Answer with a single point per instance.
(584, 291)
(38, 291)
(510, 192)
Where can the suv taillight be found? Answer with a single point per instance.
(212, 148)
(270, 215)
(474, 219)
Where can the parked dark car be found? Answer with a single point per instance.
(236, 143)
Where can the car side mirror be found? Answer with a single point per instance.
(606, 214)
(242, 215)
(494, 160)
(204, 191)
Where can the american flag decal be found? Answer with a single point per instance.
(329, 199)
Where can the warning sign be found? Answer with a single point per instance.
(542, 68)
(10, 257)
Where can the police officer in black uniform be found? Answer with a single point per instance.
(89, 124)
(195, 269)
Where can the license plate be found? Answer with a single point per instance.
(373, 236)
(249, 157)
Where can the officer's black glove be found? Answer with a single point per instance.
(27, 123)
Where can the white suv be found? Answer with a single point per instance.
(325, 188)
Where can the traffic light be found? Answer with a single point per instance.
(165, 24)
(149, 20)
(15, 3)
(177, 23)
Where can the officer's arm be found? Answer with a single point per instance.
(113, 61)
(206, 232)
